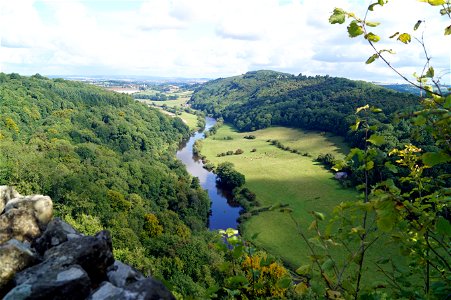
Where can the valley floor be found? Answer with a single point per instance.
(279, 176)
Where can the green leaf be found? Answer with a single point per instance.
(376, 140)
(417, 25)
(394, 35)
(372, 37)
(254, 236)
(443, 226)
(284, 283)
(434, 2)
(303, 270)
(430, 72)
(338, 16)
(372, 58)
(372, 24)
(405, 38)
(369, 165)
(318, 215)
(328, 265)
(391, 167)
(434, 158)
(355, 127)
(448, 30)
(376, 110)
(354, 29)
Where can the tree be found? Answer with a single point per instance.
(409, 211)
(228, 176)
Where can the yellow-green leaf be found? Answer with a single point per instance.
(430, 72)
(448, 30)
(434, 2)
(372, 58)
(359, 109)
(355, 127)
(405, 38)
(417, 25)
(355, 29)
(372, 24)
(338, 16)
(303, 270)
(318, 215)
(372, 37)
(376, 140)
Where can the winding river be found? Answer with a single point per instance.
(224, 212)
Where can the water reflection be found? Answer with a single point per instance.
(224, 211)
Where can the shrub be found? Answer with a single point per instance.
(239, 151)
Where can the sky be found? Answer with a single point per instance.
(212, 38)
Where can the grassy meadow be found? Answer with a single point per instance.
(189, 119)
(278, 176)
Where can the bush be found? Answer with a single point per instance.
(249, 137)
(254, 150)
(239, 151)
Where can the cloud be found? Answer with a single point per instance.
(206, 38)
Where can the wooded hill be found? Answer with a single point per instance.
(260, 99)
(108, 162)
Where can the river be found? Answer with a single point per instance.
(224, 212)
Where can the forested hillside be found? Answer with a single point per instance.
(108, 162)
(260, 99)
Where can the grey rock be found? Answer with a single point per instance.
(341, 175)
(60, 282)
(107, 291)
(41, 207)
(56, 233)
(6, 194)
(14, 256)
(122, 275)
(148, 289)
(92, 253)
(18, 224)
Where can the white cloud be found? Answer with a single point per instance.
(207, 38)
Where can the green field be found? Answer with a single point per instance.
(278, 176)
(189, 119)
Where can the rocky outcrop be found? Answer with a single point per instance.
(44, 258)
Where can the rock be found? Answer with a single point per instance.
(7, 193)
(62, 282)
(92, 253)
(18, 224)
(148, 289)
(122, 275)
(14, 256)
(40, 206)
(56, 233)
(341, 175)
(107, 291)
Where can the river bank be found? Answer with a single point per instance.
(224, 213)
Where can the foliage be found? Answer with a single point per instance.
(250, 274)
(228, 176)
(261, 99)
(408, 212)
(108, 162)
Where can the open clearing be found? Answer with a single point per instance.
(278, 176)
(179, 104)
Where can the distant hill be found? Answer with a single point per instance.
(260, 99)
(403, 88)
